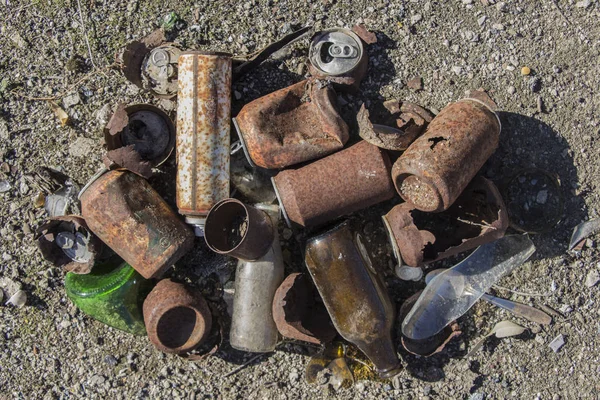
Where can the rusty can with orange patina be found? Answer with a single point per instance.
(127, 214)
(437, 167)
(203, 128)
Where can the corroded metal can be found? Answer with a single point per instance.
(337, 185)
(436, 167)
(203, 127)
(123, 210)
(292, 125)
(177, 317)
(354, 294)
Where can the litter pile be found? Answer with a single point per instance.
(300, 170)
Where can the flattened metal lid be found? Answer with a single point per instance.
(335, 51)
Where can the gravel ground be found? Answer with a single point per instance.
(50, 350)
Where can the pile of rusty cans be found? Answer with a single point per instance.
(297, 139)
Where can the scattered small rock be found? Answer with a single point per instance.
(81, 147)
(238, 95)
(583, 3)
(540, 105)
(18, 299)
(498, 27)
(18, 40)
(481, 20)
(477, 396)
(71, 100)
(535, 84)
(416, 18)
(557, 343)
(457, 70)
(565, 309)
(501, 6)
(511, 90)
(110, 360)
(415, 83)
(542, 197)
(4, 186)
(592, 278)
(4, 134)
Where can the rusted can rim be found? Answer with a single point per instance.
(281, 206)
(207, 53)
(243, 142)
(486, 106)
(93, 179)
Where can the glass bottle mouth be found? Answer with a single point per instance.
(98, 283)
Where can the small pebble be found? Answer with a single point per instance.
(525, 71)
(592, 278)
(477, 396)
(535, 84)
(511, 90)
(416, 18)
(4, 186)
(557, 343)
(501, 6)
(415, 83)
(110, 360)
(18, 299)
(542, 197)
(583, 3)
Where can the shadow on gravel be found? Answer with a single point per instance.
(527, 144)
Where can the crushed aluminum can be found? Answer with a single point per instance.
(123, 210)
(298, 312)
(340, 184)
(436, 167)
(67, 242)
(292, 125)
(338, 55)
(429, 346)
(177, 317)
(238, 230)
(203, 134)
(159, 70)
(477, 217)
(145, 127)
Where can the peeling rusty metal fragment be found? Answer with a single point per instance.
(338, 56)
(437, 166)
(366, 35)
(477, 217)
(292, 125)
(145, 127)
(429, 346)
(337, 185)
(134, 53)
(48, 241)
(382, 136)
(127, 158)
(299, 314)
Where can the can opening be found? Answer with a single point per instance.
(180, 327)
(226, 226)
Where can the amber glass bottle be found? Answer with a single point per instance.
(354, 295)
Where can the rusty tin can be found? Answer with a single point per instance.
(203, 129)
(354, 294)
(238, 230)
(436, 167)
(340, 184)
(338, 56)
(292, 125)
(177, 318)
(123, 210)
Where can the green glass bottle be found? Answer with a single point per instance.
(111, 295)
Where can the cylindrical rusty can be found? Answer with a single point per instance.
(123, 210)
(354, 294)
(436, 167)
(238, 230)
(337, 185)
(203, 124)
(177, 318)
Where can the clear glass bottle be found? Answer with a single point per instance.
(112, 294)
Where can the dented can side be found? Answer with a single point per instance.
(292, 125)
(340, 184)
(436, 167)
(123, 210)
(203, 134)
